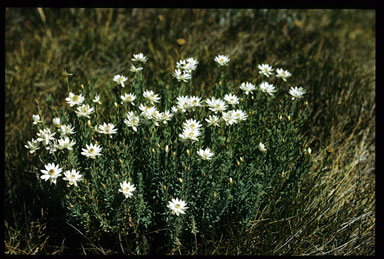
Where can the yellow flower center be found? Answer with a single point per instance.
(126, 189)
(75, 98)
(51, 172)
(73, 176)
(92, 150)
(177, 206)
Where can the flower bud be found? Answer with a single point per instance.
(89, 123)
(165, 188)
(252, 97)
(116, 105)
(188, 153)
(158, 146)
(180, 180)
(289, 117)
(153, 150)
(173, 153)
(214, 195)
(238, 163)
(241, 160)
(56, 122)
(166, 149)
(309, 150)
(281, 117)
(230, 180)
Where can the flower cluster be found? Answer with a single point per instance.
(148, 148)
(191, 130)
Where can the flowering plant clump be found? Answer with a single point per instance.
(129, 164)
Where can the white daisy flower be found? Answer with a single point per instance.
(66, 143)
(229, 118)
(267, 88)
(213, 120)
(32, 145)
(56, 122)
(206, 154)
(127, 189)
(222, 60)
(193, 124)
(96, 99)
(139, 57)
(151, 96)
(51, 173)
(92, 151)
(190, 134)
(192, 61)
(45, 136)
(188, 64)
(182, 76)
(262, 147)
(107, 129)
(72, 176)
(165, 117)
(176, 109)
(231, 99)
(74, 99)
(36, 119)
(247, 87)
(148, 112)
(182, 103)
(239, 115)
(119, 79)
(177, 206)
(135, 69)
(84, 111)
(283, 74)
(265, 69)
(129, 98)
(66, 130)
(52, 146)
(132, 121)
(155, 115)
(193, 102)
(216, 105)
(297, 92)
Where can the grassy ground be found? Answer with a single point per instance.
(331, 53)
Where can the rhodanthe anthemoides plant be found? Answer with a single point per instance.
(168, 165)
